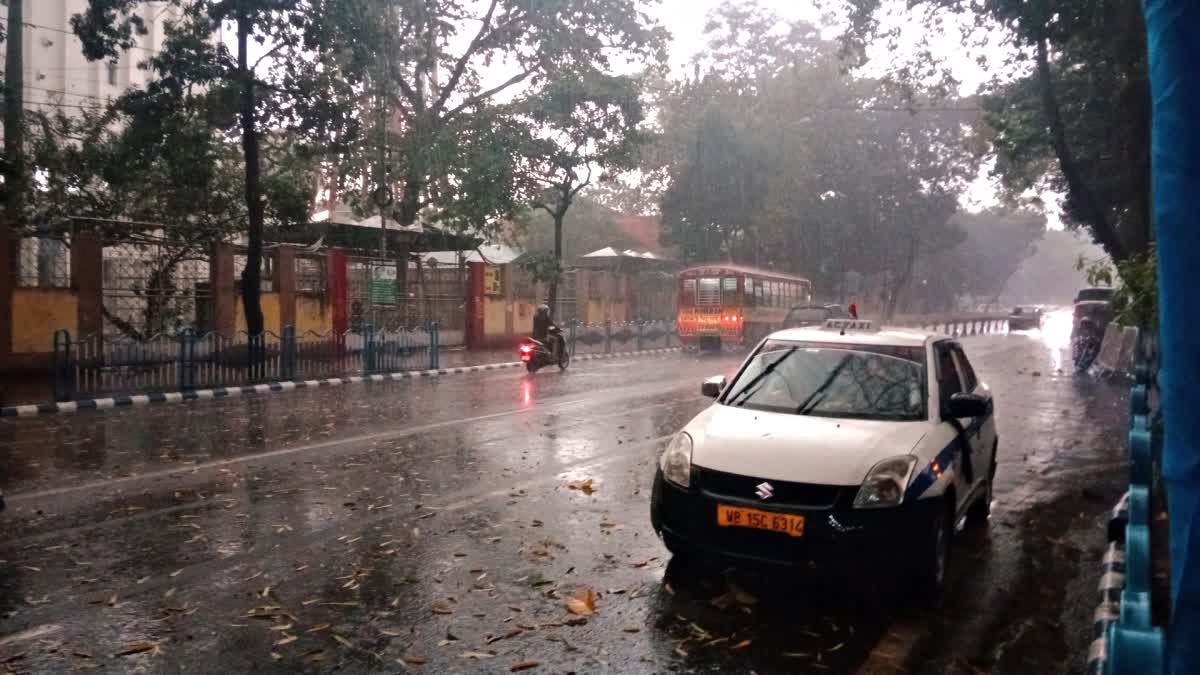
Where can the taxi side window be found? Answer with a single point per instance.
(965, 369)
(949, 383)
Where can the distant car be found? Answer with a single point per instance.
(1025, 318)
(842, 448)
(801, 316)
(1094, 304)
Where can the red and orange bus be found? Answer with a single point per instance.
(726, 305)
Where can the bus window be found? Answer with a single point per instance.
(689, 293)
(729, 292)
(708, 292)
(758, 293)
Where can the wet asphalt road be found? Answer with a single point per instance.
(429, 526)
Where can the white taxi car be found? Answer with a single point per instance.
(834, 447)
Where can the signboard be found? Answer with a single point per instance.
(493, 280)
(850, 324)
(383, 285)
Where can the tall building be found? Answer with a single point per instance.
(57, 75)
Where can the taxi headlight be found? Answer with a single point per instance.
(885, 483)
(676, 460)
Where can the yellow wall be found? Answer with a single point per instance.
(599, 311)
(494, 316)
(523, 317)
(313, 315)
(37, 313)
(270, 310)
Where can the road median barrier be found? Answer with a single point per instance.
(137, 400)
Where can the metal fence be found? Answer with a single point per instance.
(620, 336)
(153, 285)
(43, 262)
(189, 360)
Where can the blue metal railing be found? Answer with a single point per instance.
(1126, 640)
(187, 360)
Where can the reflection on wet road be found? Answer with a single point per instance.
(439, 525)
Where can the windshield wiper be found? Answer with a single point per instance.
(770, 368)
(818, 394)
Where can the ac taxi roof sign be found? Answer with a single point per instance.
(850, 324)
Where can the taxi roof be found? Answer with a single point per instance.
(882, 338)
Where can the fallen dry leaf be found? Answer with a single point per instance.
(318, 628)
(441, 607)
(524, 665)
(584, 486)
(741, 645)
(342, 641)
(139, 647)
(477, 655)
(314, 656)
(288, 639)
(631, 629)
(582, 602)
(413, 660)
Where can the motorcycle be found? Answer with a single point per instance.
(537, 354)
(1085, 346)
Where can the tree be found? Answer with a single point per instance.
(1075, 117)
(458, 63)
(287, 88)
(592, 226)
(788, 162)
(578, 126)
(997, 242)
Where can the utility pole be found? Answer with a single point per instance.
(14, 163)
(14, 114)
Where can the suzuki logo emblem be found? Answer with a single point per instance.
(764, 490)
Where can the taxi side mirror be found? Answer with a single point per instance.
(712, 386)
(966, 405)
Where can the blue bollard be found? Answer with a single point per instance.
(368, 347)
(187, 359)
(63, 369)
(434, 346)
(287, 361)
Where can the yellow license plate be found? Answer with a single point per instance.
(737, 516)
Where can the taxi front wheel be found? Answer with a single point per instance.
(933, 562)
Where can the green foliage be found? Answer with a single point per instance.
(777, 158)
(1135, 302)
(1099, 272)
(1135, 298)
(590, 226)
(430, 66)
(543, 266)
(1076, 120)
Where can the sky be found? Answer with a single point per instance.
(685, 19)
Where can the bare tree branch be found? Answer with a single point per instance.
(461, 65)
(483, 96)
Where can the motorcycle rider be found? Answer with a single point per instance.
(542, 323)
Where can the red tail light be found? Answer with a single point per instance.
(525, 349)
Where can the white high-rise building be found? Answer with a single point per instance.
(57, 75)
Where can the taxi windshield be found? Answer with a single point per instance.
(833, 380)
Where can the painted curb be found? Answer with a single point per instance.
(138, 400)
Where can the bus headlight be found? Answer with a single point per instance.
(676, 460)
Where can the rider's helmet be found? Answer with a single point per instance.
(543, 310)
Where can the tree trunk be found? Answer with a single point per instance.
(1078, 190)
(552, 297)
(251, 276)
